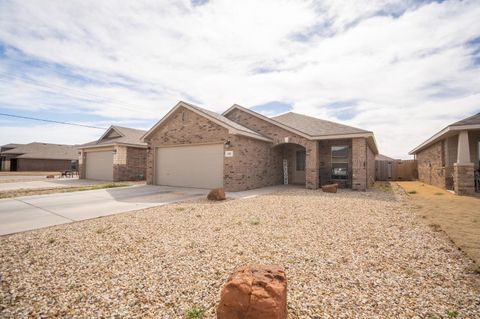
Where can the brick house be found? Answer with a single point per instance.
(241, 150)
(118, 155)
(449, 158)
(38, 157)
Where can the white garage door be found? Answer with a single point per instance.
(99, 166)
(199, 166)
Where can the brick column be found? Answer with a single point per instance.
(311, 165)
(81, 165)
(359, 164)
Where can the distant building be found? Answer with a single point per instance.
(38, 157)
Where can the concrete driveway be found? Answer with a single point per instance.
(32, 212)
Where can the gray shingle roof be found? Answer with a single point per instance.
(45, 151)
(128, 136)
(475, 119)
(315, 127)
(226, 121)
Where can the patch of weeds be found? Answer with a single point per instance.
(239, 223)
(435, 227)
(291, 261)
(452, 313)
(179, 209)
(216, 229)
(438, 194)
(102, 230)
(254, 222)
(474, 269)
(412, 192)
(51, 240)
(195, 312)
(410, 272)
(432, 317)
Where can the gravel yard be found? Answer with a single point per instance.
(346, 255)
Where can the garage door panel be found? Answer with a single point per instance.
(99, 166)
(199, 166)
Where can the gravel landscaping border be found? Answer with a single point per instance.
(346, 255)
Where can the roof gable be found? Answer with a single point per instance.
(119, 135)
(231, 126)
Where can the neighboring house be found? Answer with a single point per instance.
(118, 155)
(449, 158)
(242, 149)
(38, 157)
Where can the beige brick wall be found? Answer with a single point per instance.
(279, 134)
(431, 165)
(131, 165)
(254, 164)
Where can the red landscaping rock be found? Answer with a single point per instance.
(254, 292)
(216, 194)
(331, 188)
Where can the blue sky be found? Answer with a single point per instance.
(402, 69)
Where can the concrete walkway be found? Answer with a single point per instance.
(33, 212)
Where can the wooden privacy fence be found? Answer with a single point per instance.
(397, 170)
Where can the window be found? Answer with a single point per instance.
(300, 160)
(340, 162)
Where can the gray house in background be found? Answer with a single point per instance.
(38, 157)
(450, 158)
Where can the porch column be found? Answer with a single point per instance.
(359, 164)
(311, 165)
(463, 169)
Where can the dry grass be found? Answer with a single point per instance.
(458, 216)
(68, 189)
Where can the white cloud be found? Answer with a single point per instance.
(405, 66)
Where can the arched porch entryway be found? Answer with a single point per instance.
(293, 170)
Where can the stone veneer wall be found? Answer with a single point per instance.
(278, 135)
(463, 179)
(431, 165)
(130, 164)
(254, 163)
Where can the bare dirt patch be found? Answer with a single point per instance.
(346, 255)
(458, 216)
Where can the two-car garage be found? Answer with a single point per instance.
(199, 166)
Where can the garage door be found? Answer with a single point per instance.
(99, 166)
(199, 166)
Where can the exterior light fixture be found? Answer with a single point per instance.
(228, 144)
